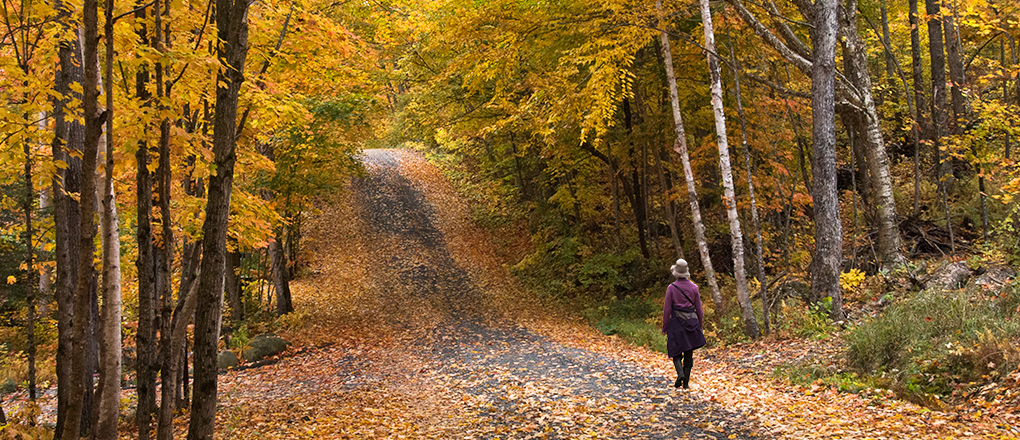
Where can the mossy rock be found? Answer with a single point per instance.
(227, 359)
(263, 346)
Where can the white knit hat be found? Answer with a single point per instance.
(680, 269)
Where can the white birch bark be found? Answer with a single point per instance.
(110, 343)
(729, 194)
(680, 146)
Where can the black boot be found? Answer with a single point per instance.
(687, 377)
(681, 378)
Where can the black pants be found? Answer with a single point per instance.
(683, 364)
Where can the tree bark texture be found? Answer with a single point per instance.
(146, 343)
(729, 193)
(281, 276)
(875, 152)
(30, 273)
(86, 246)
(173, 340)
(232, 30)
(919, 101)
(939, 115)
(957, 75)
(68, 136)
(680, 147)
(110, 345)
(232, 286)
(828, 256)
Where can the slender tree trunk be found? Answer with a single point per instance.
(801, 155)
(145, 339)
(232, 286)
(920, 124)
(30, 272)
(110, 346)
(890, 60)
(828, 256)
(86, 246)
(671, 212)
(680, 146)
(957, 75)
(232, 30)
(755, 221)
(940, 116)
(729, 193)
(173, 342)
(281, 276)
(68, 137)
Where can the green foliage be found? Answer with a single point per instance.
(810, 374)
(936, 339)
(239, 339)
(636, 319)
(805, 321)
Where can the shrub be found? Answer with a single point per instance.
(636, 319)
(936, 339)
(805, 321)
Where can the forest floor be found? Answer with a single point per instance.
(410, 326)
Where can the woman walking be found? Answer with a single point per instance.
(681, 322)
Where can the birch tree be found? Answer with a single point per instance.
(110, 344)
(729, 194)
(680, 147)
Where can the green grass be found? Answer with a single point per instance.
(936, 339)
(637, 320)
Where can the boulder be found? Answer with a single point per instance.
(226, 359)
(950, 277)
(263, 346)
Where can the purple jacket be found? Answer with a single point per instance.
(675, 297)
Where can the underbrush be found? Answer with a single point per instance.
(938, 343)
(636, 319)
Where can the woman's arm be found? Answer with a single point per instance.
(667, 308)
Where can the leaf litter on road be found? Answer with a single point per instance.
(417, 330)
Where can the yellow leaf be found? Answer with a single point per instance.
(11, 279)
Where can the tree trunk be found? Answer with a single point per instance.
(940, 117)
(875, 153)
(145, 339)
(680, 146)
(173, 341)
(671, 212)
(828, 256)
(890, 60)
(729, 193)
(755, 221)
(30, 273)
(919, 102)
(176, 343)
(86, 245)
(957, 74)
(232, 286)
(281, 276)
(636, 195)
(111, 347)
(232, 30)
(68, 137)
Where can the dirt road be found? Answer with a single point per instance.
(422, 337)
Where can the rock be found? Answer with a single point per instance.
(226, 359)
(995, 277)
(950, 277)
(263, 346)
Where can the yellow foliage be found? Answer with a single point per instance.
(851, 279)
